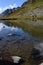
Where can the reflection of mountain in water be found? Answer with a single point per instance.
(4, 30)
(17, 41)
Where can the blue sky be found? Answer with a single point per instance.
(6, 4)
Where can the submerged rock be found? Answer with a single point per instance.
(39, 47)
(17, 59)
(35, 54)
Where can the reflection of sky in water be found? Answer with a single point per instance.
(5, 30)
(17, 32)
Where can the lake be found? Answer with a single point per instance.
(16, 41)
(10, 32)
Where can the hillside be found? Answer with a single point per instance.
(28, 9)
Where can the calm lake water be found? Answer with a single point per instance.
(8, 31)
(17, 41)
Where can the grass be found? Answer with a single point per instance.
(21, 13)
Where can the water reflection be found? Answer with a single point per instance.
(7, 30)
(17, 41)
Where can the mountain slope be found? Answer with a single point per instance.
(28, 9)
